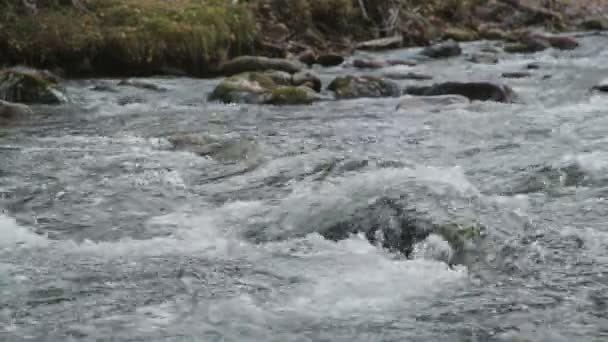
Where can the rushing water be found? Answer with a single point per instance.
(107, 233)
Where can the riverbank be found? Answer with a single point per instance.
(194, 37)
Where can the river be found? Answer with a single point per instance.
(107, 233)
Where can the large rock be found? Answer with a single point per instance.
(254, 63)
(330, 59)
(536, 42)
(307, 78)
(12, 111)
(430, 103)
(446, 49)
(480, 91)
(141, 85)
(27, 85)
(388, 222)
(595, 24)
(266, 88)
(351, 87)
(459, 35)
(292, 95)
(382, 43)
(602, 86)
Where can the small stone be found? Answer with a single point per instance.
(446, 49)
(516, 74)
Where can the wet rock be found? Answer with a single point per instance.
(430, 103)
(562, 42)
(407, 76)
(459, 35)
(330, 59)
(369, 63)
(261, 88)
(248, 87)
(480, 91)
(528, 44)
(279, 77)
(351, 87)
(533, 66)
(602, 86)
(483, 58)
(27, 85)
(104, 87)
(292, 95)
(595, 24)
(254, 63)
(12, 111)
(222, 149)
(516, 74)
(308, 57)
(382, 43)
(141, 85)
(446, 49)
(308, 79)
(535, 42)
(389, 222)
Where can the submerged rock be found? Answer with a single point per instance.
(446, 49)
(481, 91)
(255, 63)
(379, 63)
(219, 148)
(11, 111)
(27, 85)
(431, 103)
(351, 87)
(483, 58)
(516, 74)
(141, 85)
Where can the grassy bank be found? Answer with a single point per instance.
(127, 36)
(193, 37)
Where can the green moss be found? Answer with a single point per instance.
(290, 95)
(458, 235)
(130, 35)
(517, 48)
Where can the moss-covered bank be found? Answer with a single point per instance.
(194, 37)
(126, 37)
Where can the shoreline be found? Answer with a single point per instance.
(127, 38)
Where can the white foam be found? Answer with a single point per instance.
(13, 235)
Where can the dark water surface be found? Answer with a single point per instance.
(109, 234)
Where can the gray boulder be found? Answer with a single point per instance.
(445, 49)
(351, 87)
(255, 63)
(480, 91)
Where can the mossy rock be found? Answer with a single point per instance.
(248, 87)
(26, 85)
(291, 95)
(351, 87)
(459, 35)
(459, 235)
(216, 147)
(257, 63)
(494, 34)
